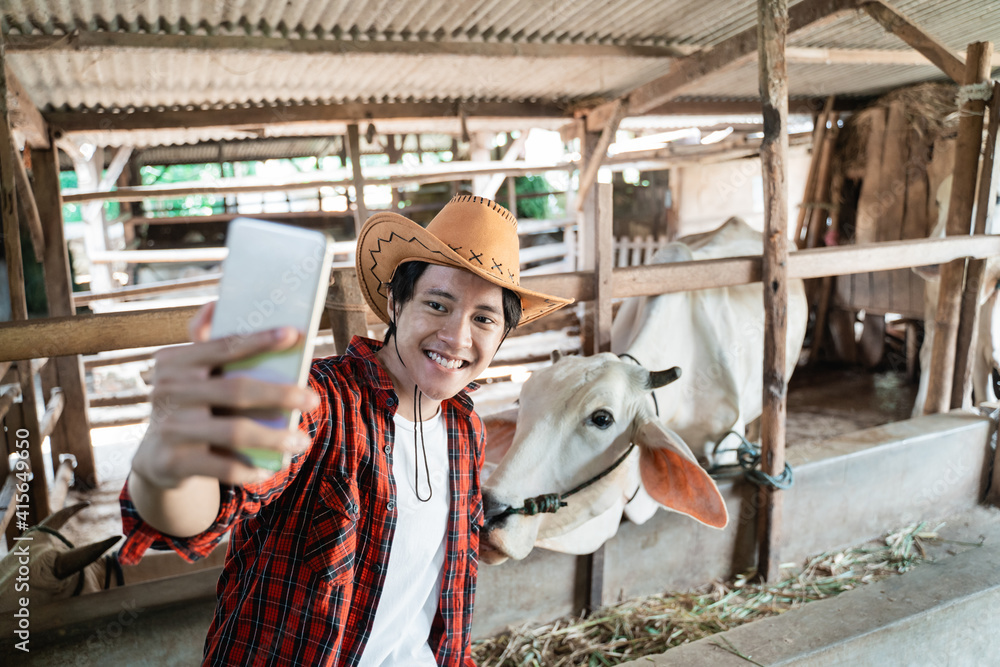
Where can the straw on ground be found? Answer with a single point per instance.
(651, 625)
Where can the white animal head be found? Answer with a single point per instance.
(576, 418)
(51, 566)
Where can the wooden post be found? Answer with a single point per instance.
(587, 207)
(772, 26)
(592, 161)
(821, 188)
(346, 308)
(480, 150)
(962, 380)
(827, 283)
(354, 151)
(963, 192)
(603, 267)
(512, 195)
(72, 432)
(27, 417)
(596, 331)
(809, 194)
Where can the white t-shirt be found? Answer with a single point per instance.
(416, 560)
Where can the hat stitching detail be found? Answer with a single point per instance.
(498, 267)
(476, 257)
(504, 213)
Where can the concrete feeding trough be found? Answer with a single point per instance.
(847, 490)
(945, 613)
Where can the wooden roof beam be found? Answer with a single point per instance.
(25, 119)
(26, 198)
(797, 54)
(103, 41)
(258, 118)
(931, 47)
(732, 52)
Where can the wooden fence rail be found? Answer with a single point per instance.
(57, 336)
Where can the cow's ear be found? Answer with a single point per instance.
(673, 478)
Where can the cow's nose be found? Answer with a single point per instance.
(493, 508)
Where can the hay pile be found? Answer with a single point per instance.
(652, 625)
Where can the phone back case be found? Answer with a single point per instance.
(275, 275)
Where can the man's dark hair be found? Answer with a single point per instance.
(405, 279)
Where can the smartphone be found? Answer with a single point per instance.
(274, 275)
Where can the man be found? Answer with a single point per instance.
(364, 551)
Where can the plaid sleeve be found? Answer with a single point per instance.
(140, 536)
(235, 502)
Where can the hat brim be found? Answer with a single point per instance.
(389, 239)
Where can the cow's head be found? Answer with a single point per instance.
(576, 418)
(50, 565)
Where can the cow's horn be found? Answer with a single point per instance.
(556, 356)
(662, 378)
(59, 519)
(77, 558)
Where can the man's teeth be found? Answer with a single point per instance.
(441, 361)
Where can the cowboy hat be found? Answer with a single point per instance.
(470, 233)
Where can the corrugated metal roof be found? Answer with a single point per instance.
(575, 21)
(119, 78)
(664, 22)
(807, 80)
(151, 78)
(957, 23)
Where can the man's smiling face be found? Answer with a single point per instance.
(446, 335)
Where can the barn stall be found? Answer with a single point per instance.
(707, 60)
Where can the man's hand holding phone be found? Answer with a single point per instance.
(187, 437)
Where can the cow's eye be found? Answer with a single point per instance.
(602, 419)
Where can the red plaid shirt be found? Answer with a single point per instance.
(309, 547)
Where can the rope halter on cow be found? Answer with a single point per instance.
(748, 455)
(549, 503)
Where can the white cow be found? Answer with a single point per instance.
(986, 338)
(578, 417)
(715, 335)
